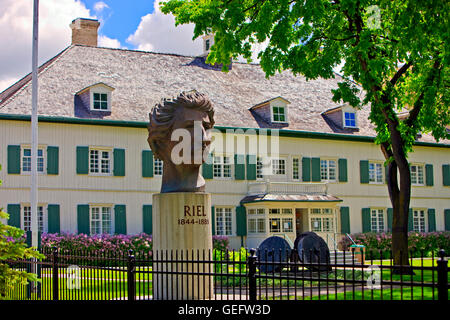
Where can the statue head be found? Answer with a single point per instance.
(192, 114)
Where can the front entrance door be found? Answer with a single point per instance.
(301, 220)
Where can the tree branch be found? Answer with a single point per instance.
(400, 72)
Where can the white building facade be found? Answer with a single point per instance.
(97, 173)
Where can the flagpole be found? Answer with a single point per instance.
(34, 127)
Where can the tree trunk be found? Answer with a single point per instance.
(400, 195)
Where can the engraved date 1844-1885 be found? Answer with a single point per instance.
(194, 215)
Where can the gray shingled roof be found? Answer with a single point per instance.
(141, 79)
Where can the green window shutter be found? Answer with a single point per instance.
(410, 221)
(213, 220)
(53, 218)
(390, 216)
(14, 215)
(83, 219)
(52, 160)
(446, 174)
(120, 219)
(306, 169)
(207, 168)
(364, 171)
(366, 220)
(429, 178)
(147, 221)
(147, 163)
(239, 167)
(119, 162)
(447, 219)
(82, 160)
(342, 163)
(345, 219)
(315, 169)
(431, 220)
(251, 167)
(386, 174)
(241, 221)
(13, 159)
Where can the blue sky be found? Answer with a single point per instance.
(120, 18)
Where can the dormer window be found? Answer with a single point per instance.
(273, 111)
(350, 119)
(208, 41)
(96, 97)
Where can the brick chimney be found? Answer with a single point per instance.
(84, 31)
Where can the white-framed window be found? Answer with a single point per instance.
(278, 166)
(100, 101)
(327, 170)
(279, 114)
(222, 166)
(26, 215)
(26, 159)
(375, 172)
(295, 169)
(207, 44)
(157, 167)
(287, 225)
(274, 211)
(350, 119)
(281, 220)
(419, 220)
(100, 161)
(100, 98)
(256, 221)
(223, 221)
(417, 174)
(377, 220)
(321, 220)
(275, 225)
(101, 220)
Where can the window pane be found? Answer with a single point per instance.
(287, 225)
(275, 224)
(316, 224)
(323, 170)
(332, 169)
(295, 169)
(274, 211)
(259, 168)
(27, 218)
(158, 167)
(261, 225)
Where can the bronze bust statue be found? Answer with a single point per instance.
(189, 116)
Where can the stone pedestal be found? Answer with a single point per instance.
(181, 236)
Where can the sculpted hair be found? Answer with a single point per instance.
(162, 116)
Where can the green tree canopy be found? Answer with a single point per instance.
(394, 57)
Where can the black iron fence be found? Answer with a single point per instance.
(230, 275)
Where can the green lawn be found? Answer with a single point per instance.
(100, 283)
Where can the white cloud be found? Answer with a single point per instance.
(157, 32)
(16, 24)
(99, 6)
(104, 41)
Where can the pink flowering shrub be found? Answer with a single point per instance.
(97, 244)
(221, 243)
(418, 243)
